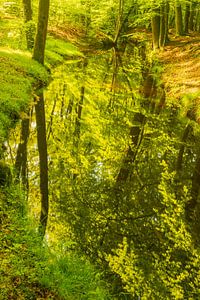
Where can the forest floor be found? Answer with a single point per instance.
(181, 61)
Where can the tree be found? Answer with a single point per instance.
(159, 23)
(21, 157)
(178, 18)
(187, 17)
(38, 55)
(40, 40)
(155, 23)
(30, 28)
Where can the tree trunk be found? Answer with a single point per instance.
(187, 17)
(38, 55)
(193, 202)
(178, 18)
(163, 24)
(21, 157)
(155, 23)
(30, 28)
(167, 9)
(186, 133)
(43, 162)
(40, 40)
(192, 15)
(79, 109)
(136, 136)
(119, 21)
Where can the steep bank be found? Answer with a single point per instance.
(181, 60)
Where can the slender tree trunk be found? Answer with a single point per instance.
(178, 18)
(186, 133)
(192, 204)
(167, 10)
(30, 28)
(163, 24)
(43, 161)
(155, 23)
(40, 40)
(38, 55)
(187, 17)
(50, 125)
(119, 20)
(136, 137)
(21, 157)
(192, 15)
(79, 109)
(198, 20)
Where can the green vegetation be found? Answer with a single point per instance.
(18, 78)
(99, 153)
(28, 268)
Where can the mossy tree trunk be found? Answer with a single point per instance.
(38, 55)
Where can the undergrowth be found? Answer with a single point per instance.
(29, 270)
(19, 76)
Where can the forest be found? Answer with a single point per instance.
(100, 149)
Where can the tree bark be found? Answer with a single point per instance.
(155, 23)
(40, 40)
(38, 55)
(187, 17)
(43, 162)
(28, 15)
(21, 157)
(178, 18)
(162, 36)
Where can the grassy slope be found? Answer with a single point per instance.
(29, 270)
(18, 76)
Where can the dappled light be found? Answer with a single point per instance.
(99, 149)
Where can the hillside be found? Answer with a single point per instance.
(181, 60)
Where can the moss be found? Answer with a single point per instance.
(57, 51)
(19, 75)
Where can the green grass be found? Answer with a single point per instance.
(57, 51)
(30, 271)
(19, 76)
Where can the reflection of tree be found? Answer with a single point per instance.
(38, 55)
(21, 157)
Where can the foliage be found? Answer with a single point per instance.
(137, 231)
(114, 143)
(170, 272)
(29, 270)
(18, 77)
